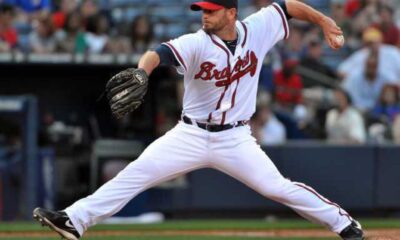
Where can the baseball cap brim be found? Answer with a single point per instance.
(198, 6)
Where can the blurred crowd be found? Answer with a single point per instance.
(350, 96)
(69, 26)
(307, 90)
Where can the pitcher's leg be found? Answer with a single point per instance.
(250, 165)
(168, 157)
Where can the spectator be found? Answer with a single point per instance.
(253, 7)
(140, 37)
(142, 34)
(96, 37)
(333, 58)
(339, 15)
(42, 39)
(271, 64)
(288, 85)
(66, 8)
(71, 39)
(389, 57)
(294, 47)
(352, 7)
(365, 88)
(387, 26)
(344, 124)
(314, 62)
(396, 5)
(382, 117)
(396, 130)
(88, 9)
(266, 128)
(368, 14)
(8, 34)
(388, 106)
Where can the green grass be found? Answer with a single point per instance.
(208, 225)
(170, 238)
(251, 225)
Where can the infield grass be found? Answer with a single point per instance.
(206, 225)
(11, 231)
(172, 238)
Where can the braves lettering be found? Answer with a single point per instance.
(225, 77)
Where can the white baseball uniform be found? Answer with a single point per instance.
(220, 88)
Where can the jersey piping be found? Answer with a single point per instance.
(284, 20)
(177, 55)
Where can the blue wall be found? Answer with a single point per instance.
(361, 178)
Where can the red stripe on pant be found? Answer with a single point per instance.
(311, 190)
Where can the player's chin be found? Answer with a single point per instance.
(208, 29)
(208, 26)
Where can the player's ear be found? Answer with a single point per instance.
(232, 13)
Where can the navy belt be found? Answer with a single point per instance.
(213, 127)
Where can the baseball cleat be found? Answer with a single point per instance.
(353, 232)
(57, 221)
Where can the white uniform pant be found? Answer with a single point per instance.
(186, 148)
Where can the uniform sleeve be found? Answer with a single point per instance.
(270, 24)
(282, 4)
(184, 49)
(167, 57)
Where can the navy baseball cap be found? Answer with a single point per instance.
(214, 5)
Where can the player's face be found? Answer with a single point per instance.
(215, 21)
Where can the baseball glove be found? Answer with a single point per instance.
(126, 90)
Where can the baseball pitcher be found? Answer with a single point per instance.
(220, 63)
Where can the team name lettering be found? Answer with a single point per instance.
(225, 77)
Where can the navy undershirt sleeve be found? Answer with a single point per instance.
(167, 57)
(282, 4)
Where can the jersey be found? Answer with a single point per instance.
(221, 87)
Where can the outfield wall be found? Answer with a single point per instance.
(359, 178)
